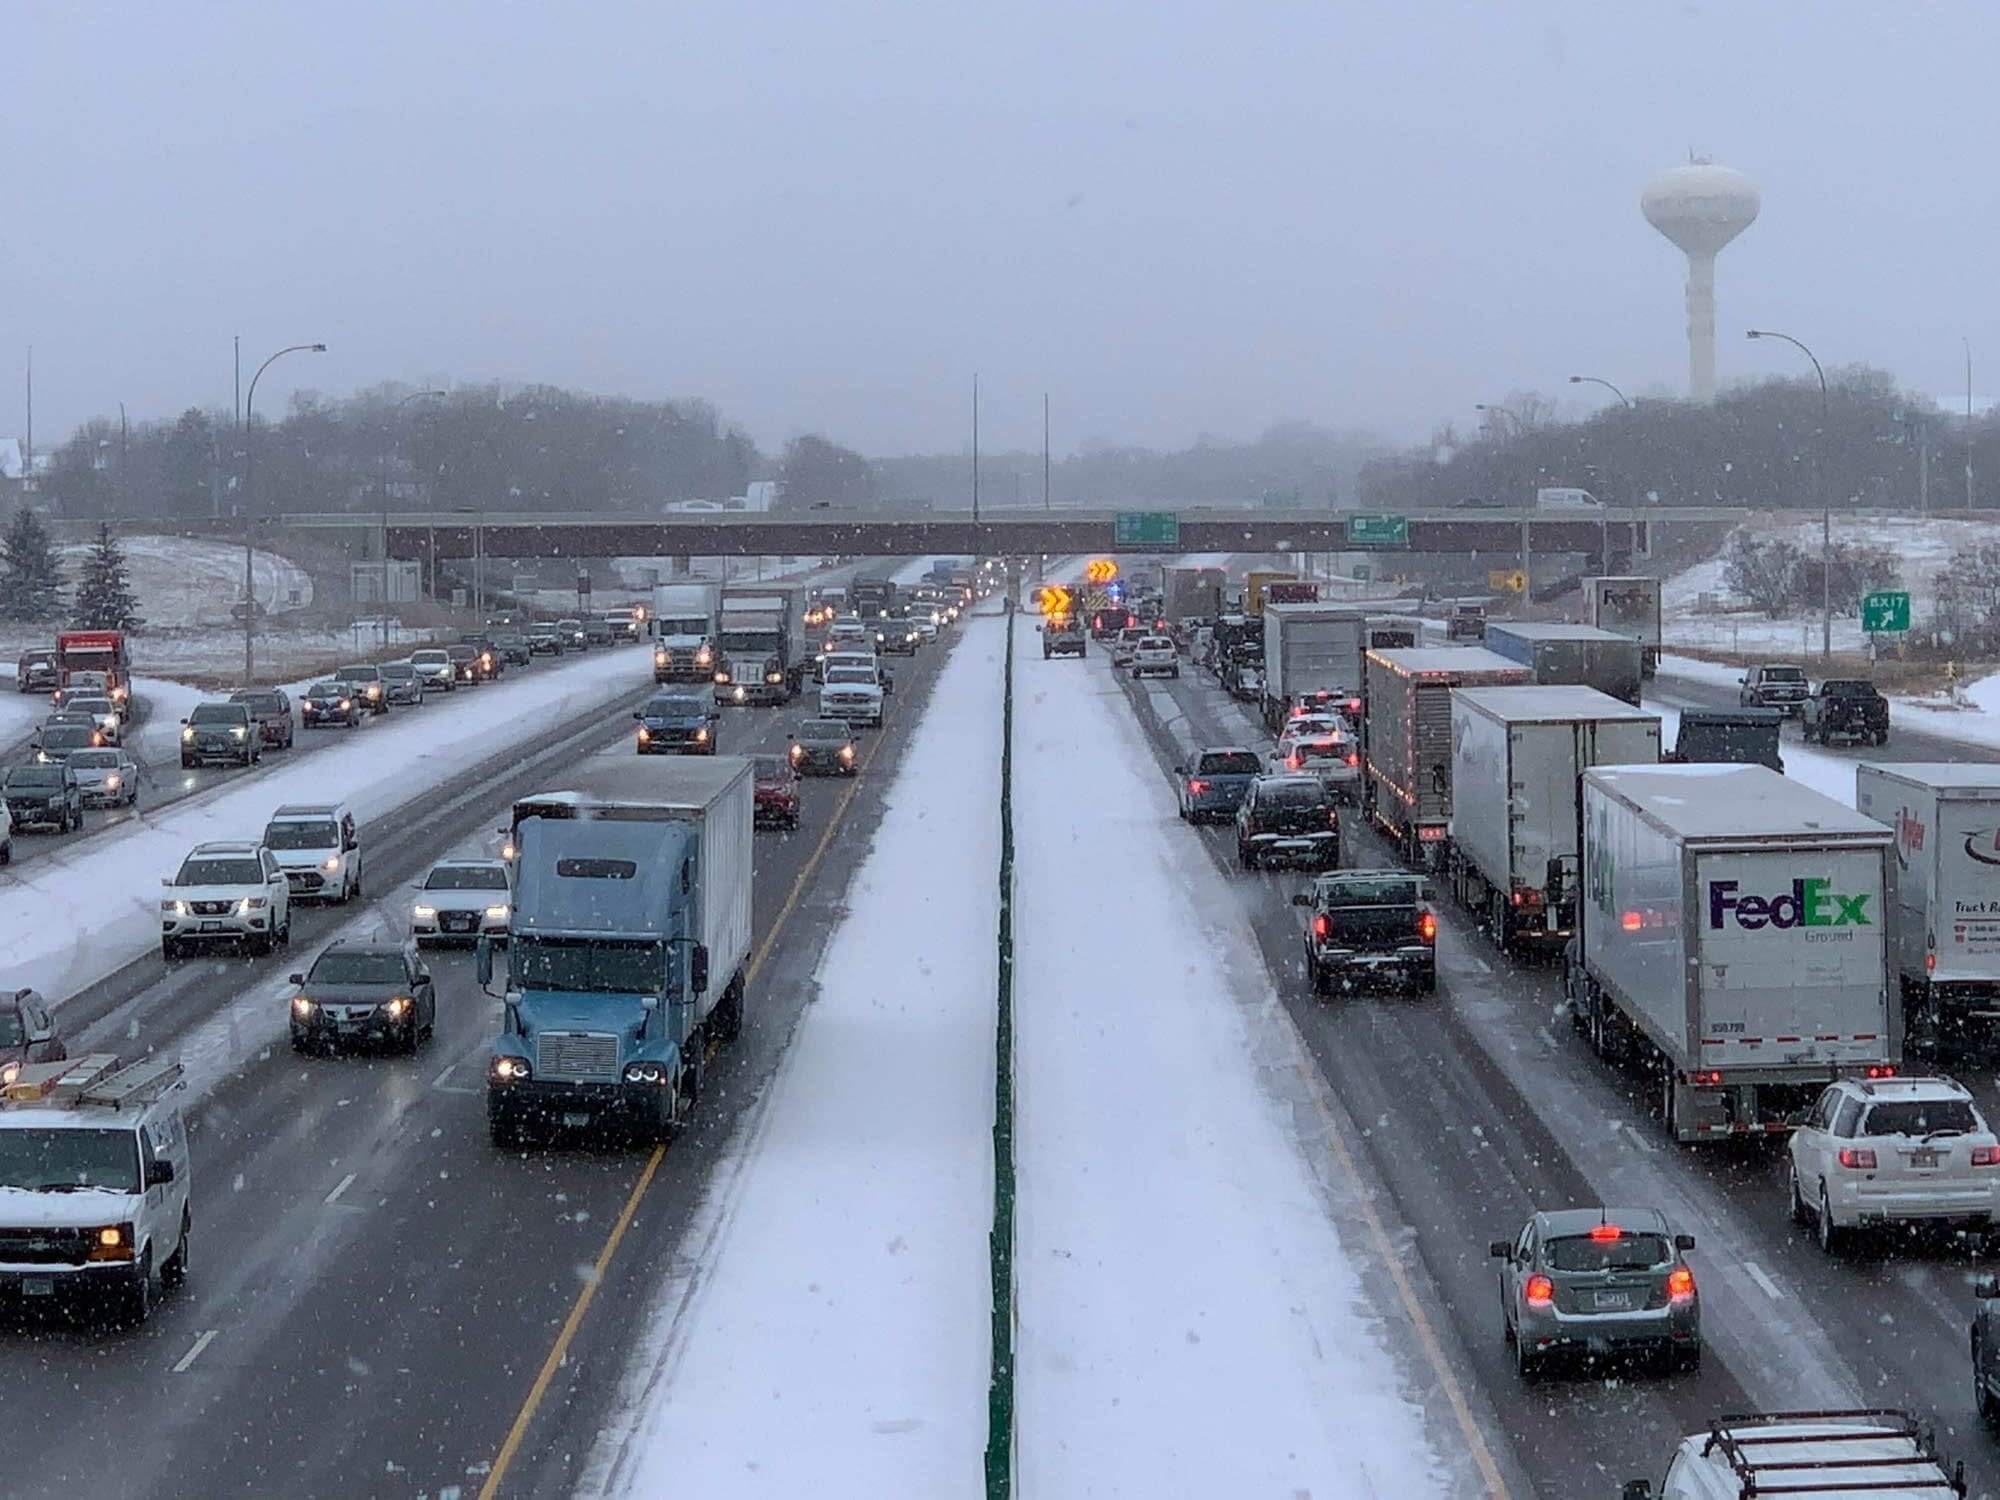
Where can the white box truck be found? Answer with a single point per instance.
(1630, 606)
(1406, 738)
(761, 647)
(1312, 653)
(1946, 927)
(683, 630)
(1735, 939)
(1518, 755)
(1562, 655)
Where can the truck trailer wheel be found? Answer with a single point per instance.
(729, 1012)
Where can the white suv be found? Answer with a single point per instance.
(1893, 1151)
(1156, 654)
(94, 1177)
(225, 893)
(318, 847)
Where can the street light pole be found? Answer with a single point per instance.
(1604, 522)
(1826, 508)
(394, 413)
(249, 525)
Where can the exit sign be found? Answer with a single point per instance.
(1378, 531)
(1146, 528)
(1885, 613)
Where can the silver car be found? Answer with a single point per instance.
(108, 777)
(433, 668)
(1598, 1281)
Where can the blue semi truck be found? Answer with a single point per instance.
(630, 942)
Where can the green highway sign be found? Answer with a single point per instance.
(1378, 531)
(1146, 528)
(1885, 613)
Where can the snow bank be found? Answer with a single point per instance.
(1190, 1323)
(90, 907)
(182, 582)
(834, 1338)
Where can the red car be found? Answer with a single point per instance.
(777, 793)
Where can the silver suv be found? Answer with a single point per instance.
(318, 846)
(225, 893)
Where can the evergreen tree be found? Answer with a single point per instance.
(30, 577)
(104, 598)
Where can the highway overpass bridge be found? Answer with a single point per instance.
(440, 535)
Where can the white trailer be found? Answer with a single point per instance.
(1735, 939)
(1518, 755)
(1946, 929)
(1629, 606)
(683, 630)
(1310, 650)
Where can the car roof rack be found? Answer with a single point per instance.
(97, 1079)
(1775, 1475)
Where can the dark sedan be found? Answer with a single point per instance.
(35, 672)
(364, 991)
(778, 793)
(823, 747)
(1213, 784)
(54, 742)
(465, 669)
(329, 703)
(43, 796)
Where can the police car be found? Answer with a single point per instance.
(94, 1179)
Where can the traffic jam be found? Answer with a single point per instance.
(1770, 978)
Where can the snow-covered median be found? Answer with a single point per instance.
(834, 1341)
(1190, 1321)
(91, 907)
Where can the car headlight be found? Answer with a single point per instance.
(345, 704)
(237, 731)
(510, 1069)
(249, 904)
(659, 658)
(111, 1242)
(302, 1006)
(798, 752)
(188, 733)
(644, 734)
(703, 657)
(774, 676)
(177, 908)
(496, 913)
(645, 1072)
(847, 752)
(701, 736)
(398, 1007)
(10, 1072)
(486, 659)
(424, 913)
(111, 783)
(722, 675)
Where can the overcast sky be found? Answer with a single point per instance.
(1175, 218)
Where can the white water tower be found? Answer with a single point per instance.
(1700, 207)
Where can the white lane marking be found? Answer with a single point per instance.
(340, 1187)
(195, 1353)
(1640, 1141)
(1756, 1273)
(438, 1082)
(1481, 964)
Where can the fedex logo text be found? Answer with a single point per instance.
(1809, 903)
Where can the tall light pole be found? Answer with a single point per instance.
(1826, 508)
(249, 524)
(1494, 408)
(1968, 424)
(1604, 522)
(389, 441)
(1595, 380)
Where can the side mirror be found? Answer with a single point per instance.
(1684, 1242)
(1798, 1117)
(1986, 1287)
(698, 969)
(637, 715)
(1180, 770)
(1500, 1249)
(1637, 1489)
(1302, 898)
(159, 1173)
(1743, 682)
(295, 979)
(167, 880)
(483, 961)
(184, 721)
(649, 1002)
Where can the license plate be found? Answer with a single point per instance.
(575, 1118)
(1611, 1301)
(1923, 1158)
(38, 1286)
(211, 927)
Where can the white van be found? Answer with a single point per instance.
(1567, 499)
(1817, 1455)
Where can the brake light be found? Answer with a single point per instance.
(1353, 759)
(1293, 760)
(1881, 1070)
(1606, 1234)
(1711, 1078)
(1323, 929)
(1986, 1156)
(1427, 926)
(1629, 921)
(1097, 622)
(1680, 1285)
(1196, 788)
(1354, 705)
(1857, 1158)
(1539, 1291)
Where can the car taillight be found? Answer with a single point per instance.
(1881, 1070)
(1986, 1156)
(1857, 1158)
(1930, 963)
(1354, 705)
(1353, 759)
(1322, 927)
(1196, 788)
(1539, 1291)
(1427, 926)
(1606, 1234)
(1680, 1285)
(1293, 760)
(1097, 622)
(1711, 1078)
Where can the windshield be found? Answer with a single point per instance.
(358, 966)
(34, 778)
(857, 675)
(425, 659)
(315, 833)
(823, 729)
(750, 640)
(53, 1160)
(1784, 674)
(1388, 890)
(257, 703)
(67, 737)
(1292, 794)
(466, 878)
(399, 671)
(324, 690)
(217, 713)
(1629, 1252)
(677, 708)
(590, 965)
(684, 625)
(92, 706)
(1230, 763)
(360, 674)
(220, 870)
(1921, 1117)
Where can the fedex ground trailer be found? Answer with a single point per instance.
(1735, 937)
(1946, 821)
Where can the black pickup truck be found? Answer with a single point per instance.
(1847, 708)
(1369, 925)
